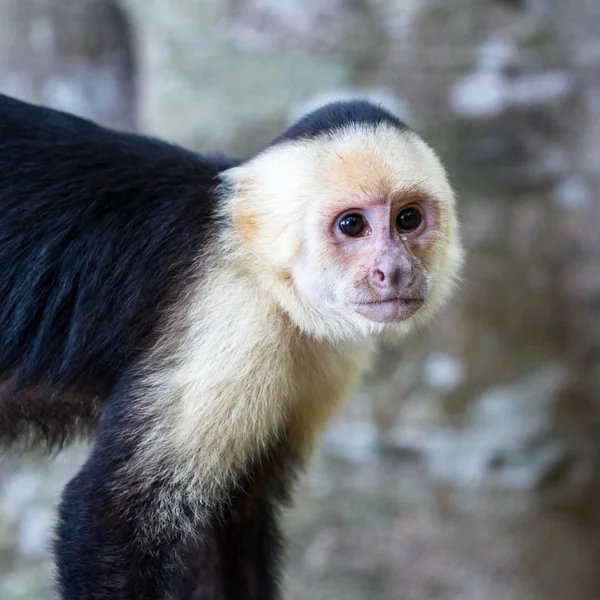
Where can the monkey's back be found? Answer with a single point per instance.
(98, 232)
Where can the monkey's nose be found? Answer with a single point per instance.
(385, 276)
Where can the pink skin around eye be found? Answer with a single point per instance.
(388, 283)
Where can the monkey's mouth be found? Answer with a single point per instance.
(389, 311)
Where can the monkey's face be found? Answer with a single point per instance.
(379, 249)
(355, 232)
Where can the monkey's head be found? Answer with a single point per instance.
(350, 223)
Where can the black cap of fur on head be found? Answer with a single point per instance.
(334, 116)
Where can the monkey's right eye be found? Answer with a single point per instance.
(352, 225)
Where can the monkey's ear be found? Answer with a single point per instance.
(262, 226)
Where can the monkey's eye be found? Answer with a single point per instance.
(352, 225)
(408, 219)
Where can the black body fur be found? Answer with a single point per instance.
(99, 231)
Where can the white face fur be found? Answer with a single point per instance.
(354, 233)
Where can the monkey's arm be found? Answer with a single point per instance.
(123, 538)
(97, 232)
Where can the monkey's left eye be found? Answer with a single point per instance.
(352, 225)
(408, 219)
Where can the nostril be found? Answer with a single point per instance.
(378, 276)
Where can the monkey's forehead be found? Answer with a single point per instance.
(357, 159)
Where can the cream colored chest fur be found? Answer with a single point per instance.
(242, 378)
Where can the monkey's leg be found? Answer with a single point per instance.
(105, 547)
(238, 558)
(115, 546)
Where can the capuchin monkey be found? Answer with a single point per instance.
(202, 318)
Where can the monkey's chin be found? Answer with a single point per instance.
(389, 311)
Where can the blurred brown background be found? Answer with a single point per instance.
(467, 467)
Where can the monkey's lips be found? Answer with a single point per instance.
(390, 310)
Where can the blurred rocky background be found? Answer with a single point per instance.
(467, 466)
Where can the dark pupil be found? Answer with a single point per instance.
(409, 219)
(352, 225)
